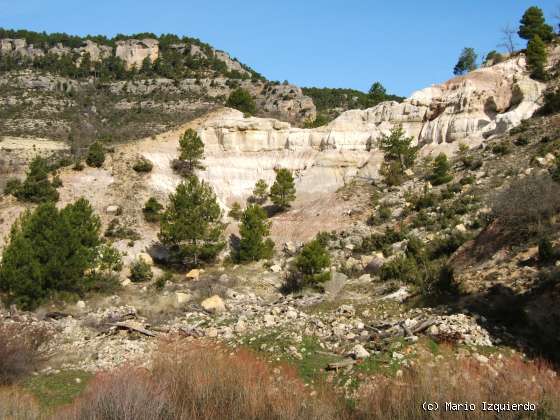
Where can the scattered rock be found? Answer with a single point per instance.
(214, 304)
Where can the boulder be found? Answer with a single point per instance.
(194, 274)
(214, 304)
(182, 297)
(146, 258)
(276, 268)
(359, 352)
(113, 209)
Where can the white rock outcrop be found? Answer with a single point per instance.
(133, 51)
(466, 109)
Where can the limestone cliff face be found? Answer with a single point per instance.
(133, 51)
(466, 109)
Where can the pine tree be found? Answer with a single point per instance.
(96, 155)
(533, 24)
(260, 192)
(49, 251)
(254, 230)
(312, 262)
(283, 191)
(440, 170)
(235, 212)
(152, 210)
(536, 57)
(191, 225)
(399, 154)
(37, 188)
(466, 62)
(191, 151)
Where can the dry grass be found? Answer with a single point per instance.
(200, 380)
(21, 350)
(465, 380)
(203, 381)
(17, 405)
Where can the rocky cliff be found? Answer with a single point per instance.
(467, 109)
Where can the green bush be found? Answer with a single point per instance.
(140, 271)
(152, 210)
(12, 186)
(242, 100)
(143, 165)
(37, 188)
(547, 254)
(96, 155)
(310, 268)
(382, 215)
(235, 212)
(49, 251)
(501, 148)
(551, 102)
(117, 231)
(440, 170)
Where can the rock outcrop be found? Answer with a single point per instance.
(133, 51)
(466, 109)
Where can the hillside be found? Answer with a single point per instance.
(165, 256)
(61, 86)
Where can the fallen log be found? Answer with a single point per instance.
(129, 327)
(342, 364)
(423, 325)
(56, 315)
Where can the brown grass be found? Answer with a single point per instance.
(465, 380)
(17, 405)
(206, 381)
(21, 350)
(203, 381)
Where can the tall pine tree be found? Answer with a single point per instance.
(283, 191)
(191, 225)
(254, 230)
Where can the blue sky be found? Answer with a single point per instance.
(405, 44)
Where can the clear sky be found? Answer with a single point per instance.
(405, 44)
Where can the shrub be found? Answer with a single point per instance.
(12, 186)
(551, 102)
(547, 253)
(22, 349)
(526, 206)
(143, 165)
(78, 166)
(96, 155)
(140, 271)
(309, 267)
(235, 212)
(260, 192)
(116, 230)
(152, 210)
(37, 188)
(382, 215)
(440, 170)
(501, 148)
(242, 100)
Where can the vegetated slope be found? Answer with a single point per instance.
(331, 102)
(60, 86)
